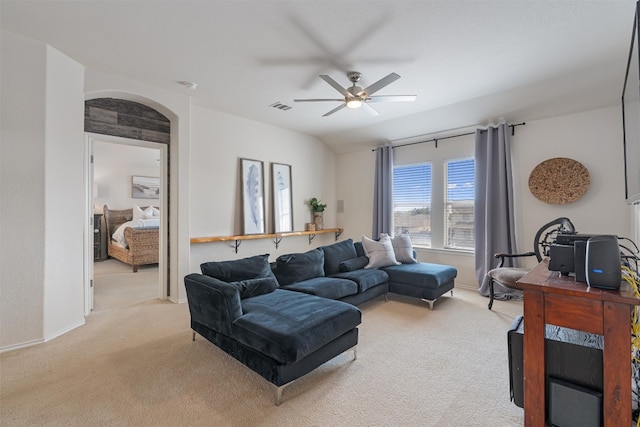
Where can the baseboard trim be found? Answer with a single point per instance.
(64, 331)
(21, 345)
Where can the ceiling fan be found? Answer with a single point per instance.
(356, 97)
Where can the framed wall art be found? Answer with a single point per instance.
(145, 187)
(252, 196)
(282, 197)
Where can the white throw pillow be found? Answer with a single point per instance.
(380, 253)
(403, 248)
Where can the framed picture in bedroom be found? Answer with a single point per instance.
(252, 196)
(282, 197)
(145, 187)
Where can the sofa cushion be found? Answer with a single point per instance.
(353, 264)
(288, 326)
(254, 287)
(326, 287)
(380, 252)
(422, 274)
(336, 253)
(366, 279)
(296, 267)
(239, 269)
(403, 248)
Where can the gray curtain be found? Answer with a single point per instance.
(383, 192)
(494, 215)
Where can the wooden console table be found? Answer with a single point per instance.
(559, 300)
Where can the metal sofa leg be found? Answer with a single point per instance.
(430, 301)
(279, 394)
(279, 389)
(193, 338)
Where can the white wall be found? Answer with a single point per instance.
(113, 167)
(219, 141)
(65, 221)
(42, 193)
(593, 138)
(22, 204)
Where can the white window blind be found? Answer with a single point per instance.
(459, 204)
(412, 202)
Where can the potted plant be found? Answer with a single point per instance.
(317, 208)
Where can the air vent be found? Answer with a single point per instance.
(280, 106)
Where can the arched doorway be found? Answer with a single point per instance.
(129, 123)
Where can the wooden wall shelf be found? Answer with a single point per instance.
(277, 237)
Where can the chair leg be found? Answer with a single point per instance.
(490, 293)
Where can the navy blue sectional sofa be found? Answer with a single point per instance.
(284, 319)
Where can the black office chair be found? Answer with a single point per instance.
(508, 276)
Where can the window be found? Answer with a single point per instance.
(412, 202)
(447, 220)
(459, 206)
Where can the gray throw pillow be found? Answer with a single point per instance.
(403, 248)
(239, 269)
(292, 268)
(380, 252)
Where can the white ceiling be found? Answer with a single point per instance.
(469, 62)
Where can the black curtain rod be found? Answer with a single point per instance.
(513, 132)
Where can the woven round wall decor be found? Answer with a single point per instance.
(559, 181)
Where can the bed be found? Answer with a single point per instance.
(136, 240)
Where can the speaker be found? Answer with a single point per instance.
(571, 405)
(579, 254)
(602, 262)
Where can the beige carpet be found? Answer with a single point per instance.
(137, 366)
(117, 286)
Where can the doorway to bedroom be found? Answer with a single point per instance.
(127, 176)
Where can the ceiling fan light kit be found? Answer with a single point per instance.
(354, 103)
(356, 97)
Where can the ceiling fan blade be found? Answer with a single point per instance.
(366, 107)
(334, 110)
(392, 98)
(318, 100)
(334, 84)
(380, 84)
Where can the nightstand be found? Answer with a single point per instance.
(97, 237)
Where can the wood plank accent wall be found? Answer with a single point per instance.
(128, 119)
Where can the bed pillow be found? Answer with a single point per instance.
(403, 248)
(148, 213)
(240, 269)
(380, 253)
(292, 268)
(353, 264)
(138, 213)
(254, 287)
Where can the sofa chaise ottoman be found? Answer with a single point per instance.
(279, 334)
